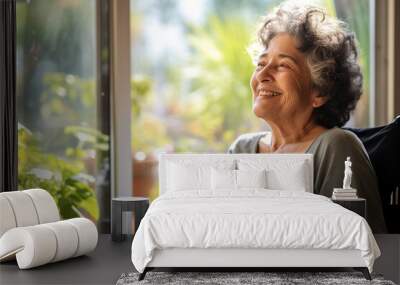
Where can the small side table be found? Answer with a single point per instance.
(358, 206)
(137, 205)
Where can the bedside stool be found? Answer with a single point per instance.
(137, 205)
(358, 206)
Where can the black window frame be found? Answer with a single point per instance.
(8, 118)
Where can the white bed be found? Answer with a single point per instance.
(206, 220)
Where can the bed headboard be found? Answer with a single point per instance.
(249, 161)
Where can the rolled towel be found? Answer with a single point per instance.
(40, 244)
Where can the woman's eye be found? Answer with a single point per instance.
(259, 66)
(282, 65)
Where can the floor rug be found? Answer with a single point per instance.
(230, 278)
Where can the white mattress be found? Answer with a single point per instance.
(254, 218)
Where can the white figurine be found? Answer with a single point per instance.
(347, 174)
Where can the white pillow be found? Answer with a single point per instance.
(223, 179)
(282, 174)
(226, 179)
(188, 177)
(251, 178)
(292, 178)
(193, 174)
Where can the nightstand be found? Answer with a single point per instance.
(358, 206)
(137, 205)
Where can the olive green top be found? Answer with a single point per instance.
(330, 150)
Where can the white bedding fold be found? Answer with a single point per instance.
(251, 218)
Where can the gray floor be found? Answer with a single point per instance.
(111, 259)
(388, 263)
(103, 266)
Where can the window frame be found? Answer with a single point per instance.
(121, 98)
(386, 67)
(8, 120)
(103, 37)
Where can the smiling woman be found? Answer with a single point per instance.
(282, 74)
(305, 85)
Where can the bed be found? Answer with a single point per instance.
(245, 211)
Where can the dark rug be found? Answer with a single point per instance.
(228, 278)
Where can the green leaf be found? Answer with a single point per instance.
(91, 206)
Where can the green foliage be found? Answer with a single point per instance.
(68, 99)
(155, 135)
(56, 92)
(88, 139)
(206, 100)
(219, 104)
(59, 162)
(141, 90)
(64, 179)
(356, 14)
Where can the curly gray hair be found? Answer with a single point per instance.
(331, 52)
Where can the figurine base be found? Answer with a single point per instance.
(343, 193)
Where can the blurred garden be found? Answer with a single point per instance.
(58, 138)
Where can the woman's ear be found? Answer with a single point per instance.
(318, 100)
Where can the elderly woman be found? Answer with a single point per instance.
(306, 83)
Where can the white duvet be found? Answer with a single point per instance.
(255, 218)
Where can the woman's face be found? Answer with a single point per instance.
(281, 83)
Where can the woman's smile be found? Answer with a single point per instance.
(268, 93)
